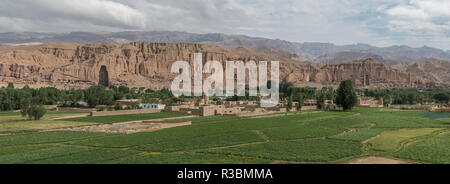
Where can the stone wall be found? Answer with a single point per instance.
(369, 102)
(112, 113)
(312, 107)
(443, 110)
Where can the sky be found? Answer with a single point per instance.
(377, 22)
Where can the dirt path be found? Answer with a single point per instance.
(68, 117)
(262, 135)
(378, 160)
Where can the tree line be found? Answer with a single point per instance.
(12, 98)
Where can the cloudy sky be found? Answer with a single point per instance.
(377, 22)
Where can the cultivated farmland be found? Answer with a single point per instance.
(302, 137)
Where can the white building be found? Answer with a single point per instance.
(152, 106)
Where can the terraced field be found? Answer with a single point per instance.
(305, 137)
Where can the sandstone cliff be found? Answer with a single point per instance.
(141, 64)
(434, 70)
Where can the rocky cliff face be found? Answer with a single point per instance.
(141, 64)
(433, 70)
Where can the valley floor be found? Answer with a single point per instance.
(364, 135)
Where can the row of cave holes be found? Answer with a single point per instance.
(104, 78)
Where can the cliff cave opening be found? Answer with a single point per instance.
(103, 76)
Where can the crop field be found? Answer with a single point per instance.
(13, 122)
(125, 118)
(302, 137)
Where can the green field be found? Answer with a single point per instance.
(13, 122)
(306, 137)
(125, 118)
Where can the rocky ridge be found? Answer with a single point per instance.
(140, 64)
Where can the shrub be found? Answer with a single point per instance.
(34, 112)
(118, 106)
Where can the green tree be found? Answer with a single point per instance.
(34, 112)
(300, 100)
(346, 96)
(124, 89)
(98, 95)
(442, 97)
(118, 106)
(289, 103)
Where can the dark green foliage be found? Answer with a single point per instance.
(442, 97)
(10, 85)
(407, 96)
(71, 98)
(118, 106)
(300, 100)
(47, 96)
(14, 98)
(98, 95)
(289, 103)
(346, 96)
(33, 112)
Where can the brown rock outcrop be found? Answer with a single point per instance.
(140, 64)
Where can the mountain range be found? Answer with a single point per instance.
(62, 58)
(142, 64)
(309, 51)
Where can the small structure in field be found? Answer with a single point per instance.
(369, 102)
(152, 106)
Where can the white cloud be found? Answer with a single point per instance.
(431, 15)
(96, 12)
(377, 22)
(409, 12)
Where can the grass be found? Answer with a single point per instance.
(437, 115)
(203, 142)
(30, 126)
(189, 158)
(125, 118)
(390, 140)
(90, 156)
(434, 150)
(13, 122)
(46, 137)
(315, 150)
(30, 156)
(306, 137)
(359, 135)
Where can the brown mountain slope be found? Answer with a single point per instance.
(434, 70)
(141, 64)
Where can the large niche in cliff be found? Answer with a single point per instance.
(103, 77)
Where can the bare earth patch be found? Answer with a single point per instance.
(68, 117)
(133, 127)
(378, 160)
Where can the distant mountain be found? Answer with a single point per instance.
(341, 57)
(321, 52)
(434, 70)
